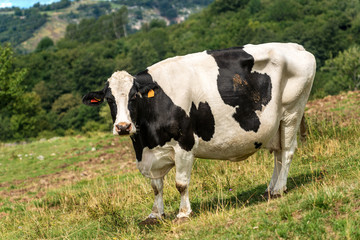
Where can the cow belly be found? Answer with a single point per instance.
(236, 148)
(231, 141)
(225, 154)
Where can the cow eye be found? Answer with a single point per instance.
(133, 97)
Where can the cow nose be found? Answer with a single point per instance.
(123, 128)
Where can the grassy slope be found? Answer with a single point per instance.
(78, 193)
(55, 27)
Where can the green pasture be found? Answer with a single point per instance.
(323, 199)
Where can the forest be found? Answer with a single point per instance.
(42, 91)
(18, 27)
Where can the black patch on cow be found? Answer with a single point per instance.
(257, 145)
(112, 104)
(240, 88)
(202, 120)
(138, 145)
(157, 119)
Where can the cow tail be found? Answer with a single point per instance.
(303, 129)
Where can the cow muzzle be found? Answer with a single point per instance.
(123, 128)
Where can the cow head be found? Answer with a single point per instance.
(117, 93)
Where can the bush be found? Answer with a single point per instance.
(44, 44)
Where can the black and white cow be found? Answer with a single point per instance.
(223, 104)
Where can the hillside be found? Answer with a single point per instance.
(87, 186)
(342, 109)
(55, 27)
(140, 12)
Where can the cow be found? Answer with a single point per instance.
(216, 104)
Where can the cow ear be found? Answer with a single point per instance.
(93, 98)
(145, 89)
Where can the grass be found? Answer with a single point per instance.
(107, 197)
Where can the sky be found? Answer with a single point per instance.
(23, 3)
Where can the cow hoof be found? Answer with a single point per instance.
(150, 221)
(181, 220)
(268, 195)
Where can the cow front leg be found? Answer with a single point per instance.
(158, 206)
(183, 163)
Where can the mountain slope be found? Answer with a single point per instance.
(139, 13)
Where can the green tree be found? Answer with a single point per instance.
(10, 78)
(254, 6)
(345, 69)
(27, 117)
(45, 43)
(120, 20)
(65, 102)
(282, 10)
(20, 111)
(219, 6)
(143, 55)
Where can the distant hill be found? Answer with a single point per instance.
(25, 28)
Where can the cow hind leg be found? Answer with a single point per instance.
(284, 156)
(275, 176)
(286, 159)
(158, 206)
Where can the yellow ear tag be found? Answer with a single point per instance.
(151, 93)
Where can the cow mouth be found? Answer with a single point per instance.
(123, 133)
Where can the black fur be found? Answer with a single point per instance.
(203, 121)
(240, 88)
(257, 145)
(98, 95)
(103, 94)
(158, 120)
(112, 104)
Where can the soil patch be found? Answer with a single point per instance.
(343, 109)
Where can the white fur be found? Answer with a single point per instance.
(158, 207)
(120, 84)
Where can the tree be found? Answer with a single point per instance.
(10, 78)
(20, 111)
(219, 6)
(345, 69)
(65, 102)
(120, 19)
(143, 55)
(282, 10)
(45, 43)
